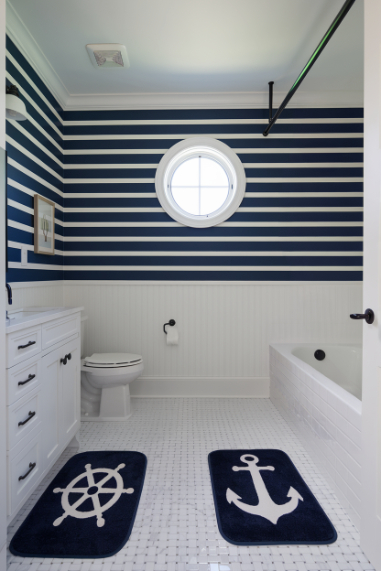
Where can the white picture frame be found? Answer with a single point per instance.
(44, 219)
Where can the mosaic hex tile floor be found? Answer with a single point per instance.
(175, 527)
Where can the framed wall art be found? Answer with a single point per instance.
(43, 225)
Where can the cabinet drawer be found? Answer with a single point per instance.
(24, 418)
(59, 330)
(24, 471)
(23, 378)
(23, 344)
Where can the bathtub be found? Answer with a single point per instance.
(342, 364)
(321, 400)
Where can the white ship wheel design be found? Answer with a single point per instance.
(92, 491)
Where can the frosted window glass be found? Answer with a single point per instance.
(200, 185)
(212, 173)
(187, 173)
(187, 198)
(212, 199)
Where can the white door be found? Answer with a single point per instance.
(3, 414)
(3, 482)
(370, 531)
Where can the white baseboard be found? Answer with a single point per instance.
(208, 387)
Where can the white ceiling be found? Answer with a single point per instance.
(190, 46)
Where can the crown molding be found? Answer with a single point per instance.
(21, 36)
(227, 100)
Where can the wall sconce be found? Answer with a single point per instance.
(15, 108)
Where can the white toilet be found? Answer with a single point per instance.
(105, 379)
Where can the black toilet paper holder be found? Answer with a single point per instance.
(171, 322)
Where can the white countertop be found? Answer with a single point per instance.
(31, 316)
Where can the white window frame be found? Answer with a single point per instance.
(211, 148)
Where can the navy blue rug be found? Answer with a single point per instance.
(88, 510)
(261, 499)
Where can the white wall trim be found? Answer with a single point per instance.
(198, 121)
(178, 136)
(197, 282)
(231, 239)
(202, 387)
(254, 268)
(21, 285)
(247, 150)
(231, 100)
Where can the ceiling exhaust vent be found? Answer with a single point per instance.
(106, 56)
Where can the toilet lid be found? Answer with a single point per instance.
(110, 360)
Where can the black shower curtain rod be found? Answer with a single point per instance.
(324, 41)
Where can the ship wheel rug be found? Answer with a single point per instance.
(88, 510)
(261, 499)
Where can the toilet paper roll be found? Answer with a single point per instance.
(172, 335)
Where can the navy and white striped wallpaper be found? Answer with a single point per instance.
(301, 217)
(35, 165)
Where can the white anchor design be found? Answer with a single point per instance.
(266, 507)
(92, 491)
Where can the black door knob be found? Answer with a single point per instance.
(368, 316)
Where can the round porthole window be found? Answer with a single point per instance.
(200, 182)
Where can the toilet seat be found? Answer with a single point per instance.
(112, 360)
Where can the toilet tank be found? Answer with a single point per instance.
(83, 335)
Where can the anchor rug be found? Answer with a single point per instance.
(88, 510)
(261, 499)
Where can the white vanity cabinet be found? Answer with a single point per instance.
(61, 398)
(43, 397)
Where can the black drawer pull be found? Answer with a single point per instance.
(31, 466)
(31, 415)
(66, 359)
(27, 345)
(30, 378)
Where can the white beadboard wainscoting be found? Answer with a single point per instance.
(225, 329)
(36, 294)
